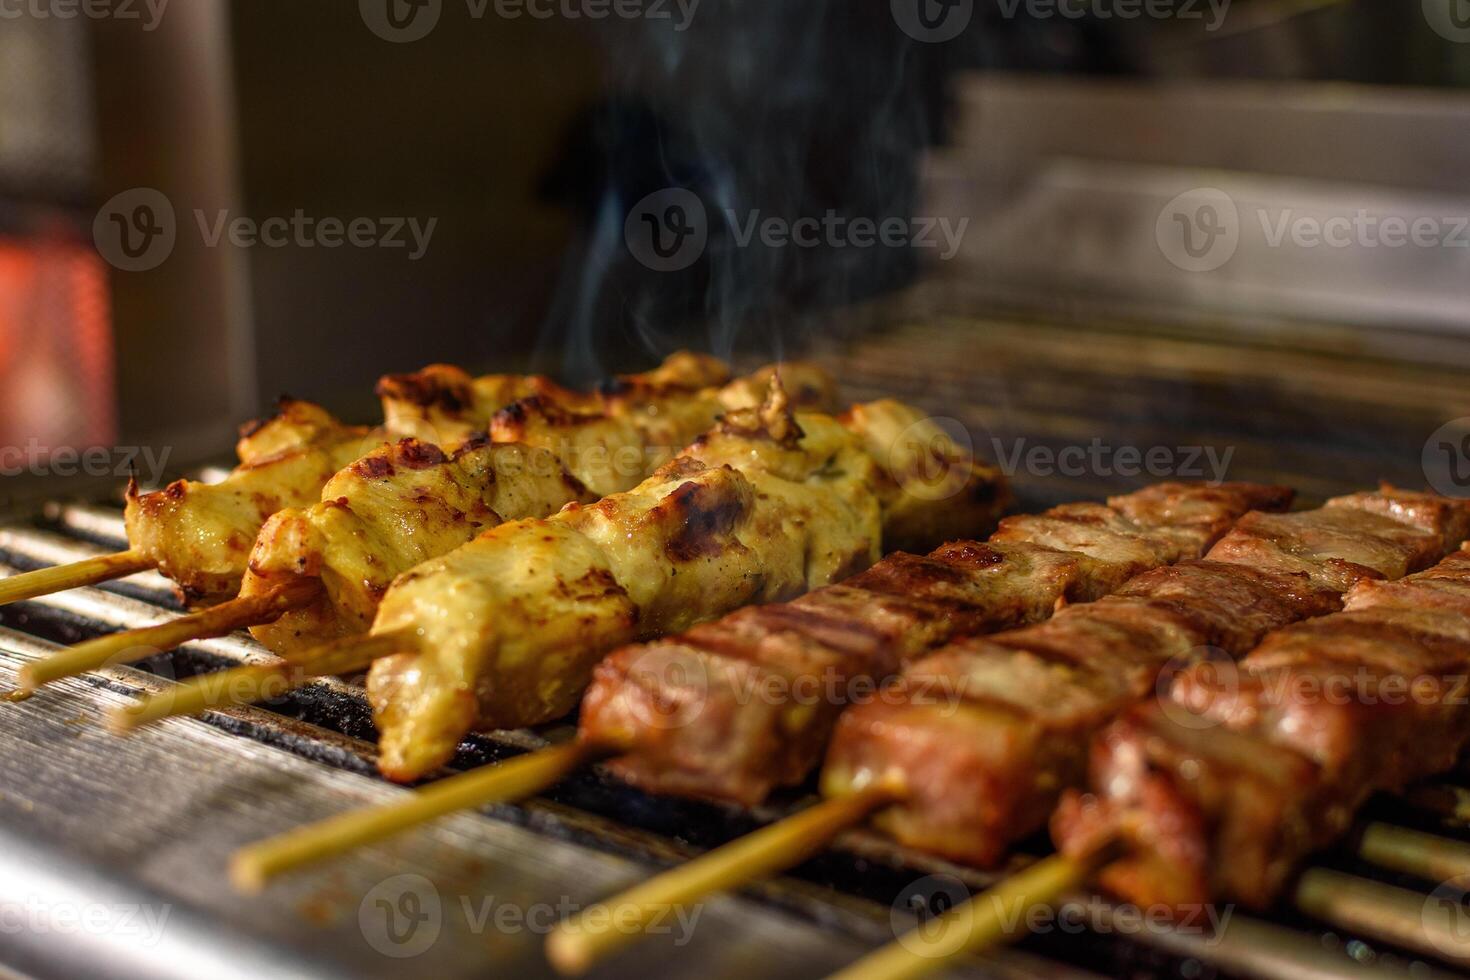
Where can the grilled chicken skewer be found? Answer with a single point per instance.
(740, 748)
(388, 513)
(969, 750)
(200, 535)
(317, 574)
(506, 631)
(758, 507)
(443, 405)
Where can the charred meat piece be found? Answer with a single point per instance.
(1221, 792)
(764, 507)
(985, 735)
(734, 708)
(409, 501)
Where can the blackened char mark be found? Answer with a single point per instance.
(702, 515)
(426, 389)
(373, 467)
(418, 455)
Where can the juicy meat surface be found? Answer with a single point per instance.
(1223, 790)
(408, 502)
(736, 707)
(983, 736)
(764, 507)
(199, 534)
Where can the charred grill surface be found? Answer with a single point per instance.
(863, 873)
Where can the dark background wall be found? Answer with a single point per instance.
(527, 140)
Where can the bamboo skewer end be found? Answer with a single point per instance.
(513, 779)
(246, 874)
(566, 953)
(130, 646)
(26, 680)
(59, 578)
(982, 923)
(579, 942)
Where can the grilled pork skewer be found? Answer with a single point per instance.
(200, 535)
(969, 750)
(1320, 717)
(1191, 803)
(1030, 567)
(1041, 692)
(706, 738)
(1223, 791)
(317, 574)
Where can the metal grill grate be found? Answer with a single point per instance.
(158, 813)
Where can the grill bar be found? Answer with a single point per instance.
(865, 868)
(150, 821)
(94, 521)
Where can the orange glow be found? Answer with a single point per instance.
(56, 357)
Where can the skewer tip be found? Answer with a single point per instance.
(246, 874)
(123, 720)
(566, 952)
(26, 680)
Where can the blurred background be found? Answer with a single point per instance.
(1165, 224)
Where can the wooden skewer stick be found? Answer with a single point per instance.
(257, 682)
(583, 940)
(990, 919)
(132, 645)
(88, 571)
(1355, 904)
(254, 865)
